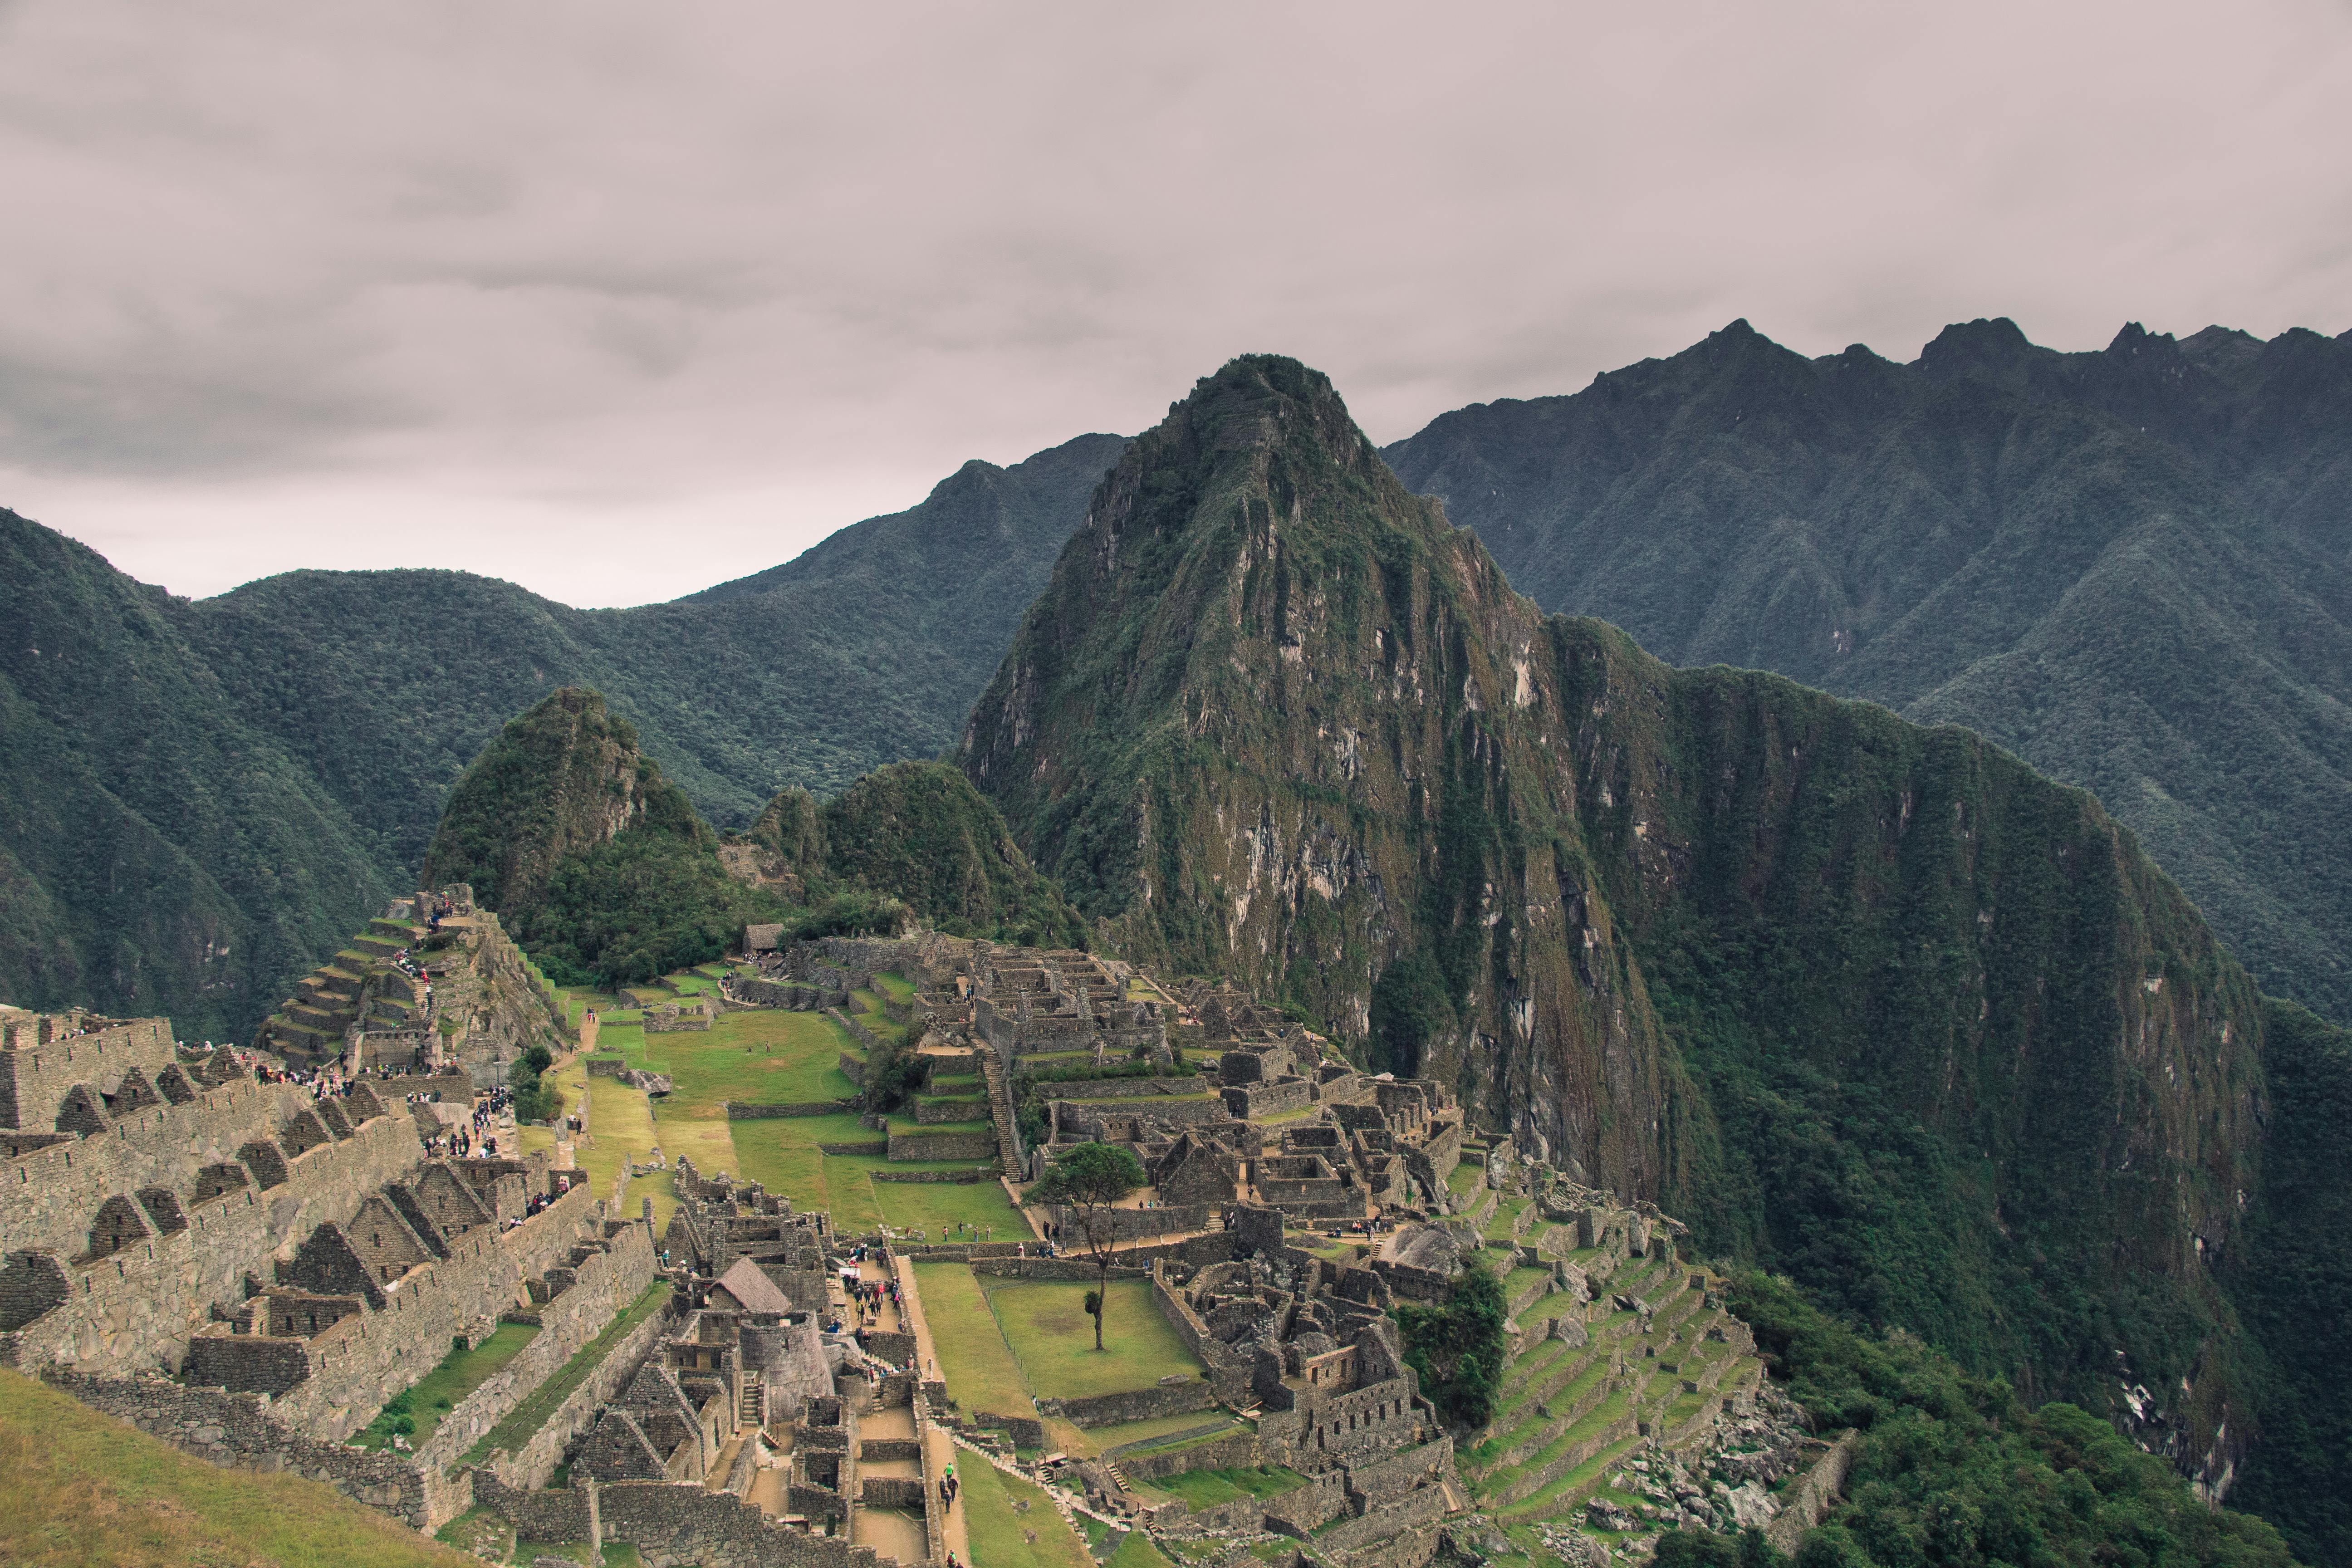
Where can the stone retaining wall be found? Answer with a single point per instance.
(952, 1178)
(1134, 1404)
(237, 1432)
(138, 1307)
(1080, 1268)
(942, 1146)
(533, 1465)
(738, 1110)
(607, 1284)
(934, 1112)
(1807, 1503)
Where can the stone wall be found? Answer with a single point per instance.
(238, 1432)
(532, 1464)
(688, 1527)
(1249, 1102)
(52, 1192)
(41, 1060)
(1809, 1501)
(138, 1307)
(1078, 1268)
(1129, 1224)
(1134, 1404)
(1229, 1371)
(607, 1284)
(943, 1146)
(367, 1358)
(738, 1110)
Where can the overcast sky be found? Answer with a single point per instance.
(618, 300)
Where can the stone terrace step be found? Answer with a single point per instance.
(1576, 1397)
(1570, 1490)
(1612, 1418)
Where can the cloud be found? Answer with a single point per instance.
(554, 273)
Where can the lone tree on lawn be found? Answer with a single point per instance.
(1089, 1181)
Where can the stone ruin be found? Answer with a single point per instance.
(434, 984)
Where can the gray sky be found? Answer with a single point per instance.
(618, 300)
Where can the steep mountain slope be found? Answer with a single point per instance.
(2129, 566)
(921, 833)
(208, 795)
(156, 853)
(600, 866)
(1867, 1002)
(596, 863)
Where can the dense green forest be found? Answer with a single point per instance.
(922, 833)
(1959, 1469)
(2127, 566)
(210, 796)
(600, 867)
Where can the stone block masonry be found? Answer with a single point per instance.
(943, 1146)
(237, 1431)
(136, 1307)
(533, 1465)
(606, 1284)
(43, 1056)
(367, 1357)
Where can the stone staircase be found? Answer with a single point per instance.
(310, 1026)
(752, 1411)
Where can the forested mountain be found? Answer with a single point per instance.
(1866, 1002)
(2129, 566)
(205, 797)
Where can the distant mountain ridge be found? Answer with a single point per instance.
(205, 797)
(2130, 566)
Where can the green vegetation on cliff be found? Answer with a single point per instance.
(598, 864)
(603, 871)
(919, 833)
(1952, 1468)
(2125, 565)
(1867, 1003)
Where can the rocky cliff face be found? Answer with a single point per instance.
(560, 779)
(1867, 1001)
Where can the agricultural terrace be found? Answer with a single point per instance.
(762, 1057)
(1021, 1339)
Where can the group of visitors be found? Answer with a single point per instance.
(868, 1296)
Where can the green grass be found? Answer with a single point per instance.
(1518, 1280)
(761, 1056)
(84, 1488)
(999, 1531)
(1103, 1439)
(431, 1396)
(1506, 1216)
(898, 987)
(1207, 1489)
(1465, 1178)
(1053, 1338)
(531, 1412)
(1573, 1484)
(979, 1367)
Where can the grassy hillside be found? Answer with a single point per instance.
(2129, 567)
(86, 1492)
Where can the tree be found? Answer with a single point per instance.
(1089, 1181)
(1457, 1348)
